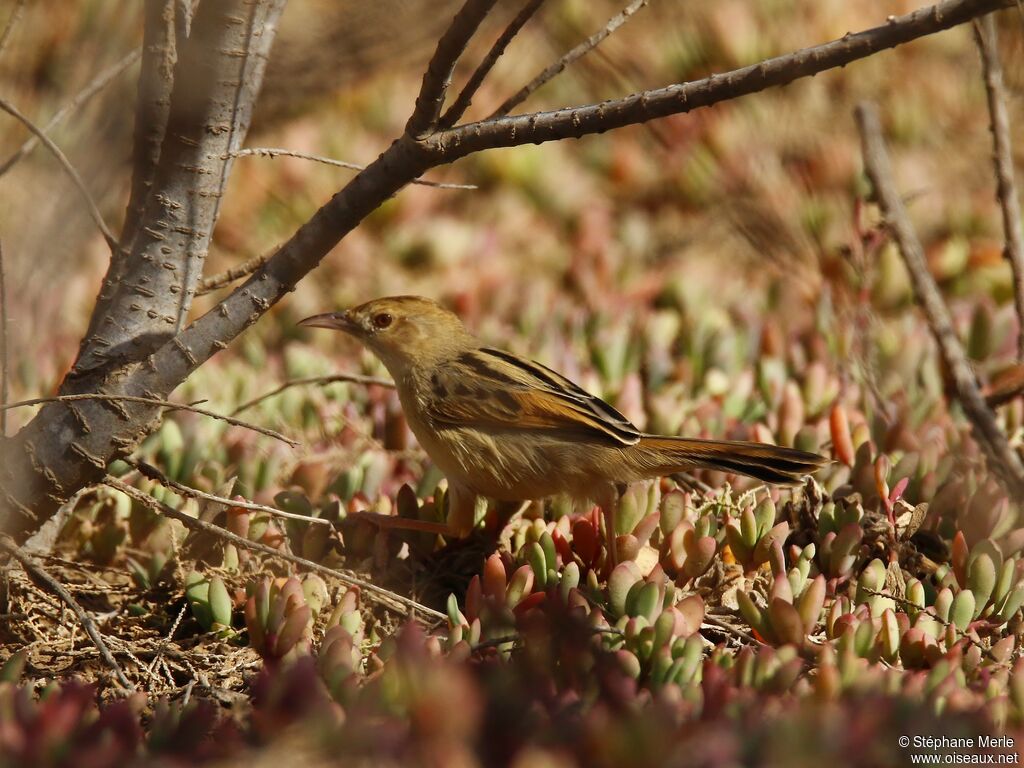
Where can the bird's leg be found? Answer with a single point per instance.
(461, 510)
(502, 512)
(607, 498)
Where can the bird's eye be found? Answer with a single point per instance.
(382, 320)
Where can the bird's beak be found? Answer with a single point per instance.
(337, 321)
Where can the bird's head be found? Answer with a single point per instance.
(402, 331)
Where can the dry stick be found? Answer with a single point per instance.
(438, 76)
(151, 472)
(12, 22)
(398, 603)
(39, 574)
(985, 35)
(94, 211)
(879, 171)
(210, 284)
(157, 402)
(276, 152)
(101, 81)
(465, 97)
(354, 378)
(576, 53)
(3, 346)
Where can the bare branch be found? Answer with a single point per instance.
(391, 600)
(12, 22)
(274, 152)
(97, 84)
(439, 72)
(39, 575)
(247, 267)
(155, 402)
(152, 108)
(465, 97)
(573, 122)
(94, 211)
(985, 35)
(876, 161)
(152, 111)
(350, 377)
(151, 472)
(581, 50)
(218, 73)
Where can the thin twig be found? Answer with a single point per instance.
(391, 600)
(153, 473)
(354, 378)
(94, 211)
(41, 576)
(879, 170)
(164, 643)
(97, 84)
(985, 35)
(3, 346)
(157, 402)
(465, 97)
(576, 53)
(438, 76)
(247, 267)
(12, 22)
(276, 152)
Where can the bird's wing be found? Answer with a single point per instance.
(490, 388)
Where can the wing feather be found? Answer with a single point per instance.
(491, 388)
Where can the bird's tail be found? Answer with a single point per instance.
(657, 456)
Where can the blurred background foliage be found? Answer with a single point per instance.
(714, 274)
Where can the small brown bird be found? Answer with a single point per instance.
(511, 429)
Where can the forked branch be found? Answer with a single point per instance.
(465, 97)
(555, 68)
(439, 72)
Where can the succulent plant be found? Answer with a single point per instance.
(786, 618)
(209, 602)
(339, 658)
(687, 548)
(752, 536)
(278, 618)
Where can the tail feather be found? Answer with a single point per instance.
(657, 455)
